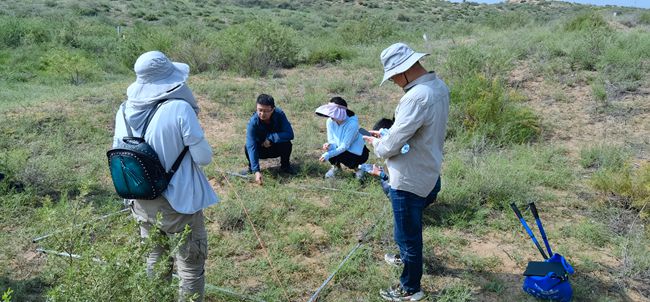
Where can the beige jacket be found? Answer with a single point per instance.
(421, 121)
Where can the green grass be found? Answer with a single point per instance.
(64, 69)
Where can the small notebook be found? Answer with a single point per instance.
(541, 268)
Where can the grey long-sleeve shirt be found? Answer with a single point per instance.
(421, 121)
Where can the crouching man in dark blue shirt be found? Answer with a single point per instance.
(268, 135)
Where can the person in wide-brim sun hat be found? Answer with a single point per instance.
(155, 75)
(397, 59)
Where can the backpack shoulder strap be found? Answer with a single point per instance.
(178, 161)
(128, 127)
(150, 116)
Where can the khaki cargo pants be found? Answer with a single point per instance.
(190, 258)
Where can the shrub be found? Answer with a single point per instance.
(587, 49)
(71, 66)
(629, 186)
(487, 109)
(139, 39)
(587, 22)
(502, 177)
(599, 92)
(462, 61)
(110, 268)
(328, 54)
(365, 30)
(507, 20)
(644, 18)
(24, 31)
(255, 47)
(624, 60)
(603, 156)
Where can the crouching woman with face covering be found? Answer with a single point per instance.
(172, 128)
(344, 143)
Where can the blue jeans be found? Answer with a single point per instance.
(407, 214)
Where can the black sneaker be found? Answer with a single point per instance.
(398, 293)
(288, 170)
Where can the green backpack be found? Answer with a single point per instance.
(135, 168)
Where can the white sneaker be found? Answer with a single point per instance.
(393, 259)
(360, 174)
(397, 293)
(331, 173)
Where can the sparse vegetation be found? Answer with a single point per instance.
(64, 68)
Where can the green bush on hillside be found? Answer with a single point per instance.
(507, 20)
(587, 22)
(139, 39)
(627, 185)
(483, 108)
(18, 31)
(365, 31)
(586, 50)
(465, 60)
(644, 18)
(624, 61)
(72, 67)
(253, 48)
(328, 53)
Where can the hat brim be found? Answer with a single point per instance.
(416, 56)
(332, 111)
(139, 91)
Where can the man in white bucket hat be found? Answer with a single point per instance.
(421, 121)
(175, 125)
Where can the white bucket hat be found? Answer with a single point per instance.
(155, 75)
(398, 58)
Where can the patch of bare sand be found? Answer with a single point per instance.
(575, 120)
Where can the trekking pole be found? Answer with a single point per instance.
(361, 240)
(530, 233)
(327, 189)
(533, 209)
(257, 235)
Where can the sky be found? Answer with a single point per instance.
(634, 3)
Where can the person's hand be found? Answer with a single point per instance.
(266, 144)
(326, 146)
(376, 170)
(375, 133)
(258, 177)
(322, 158)
(368, 139)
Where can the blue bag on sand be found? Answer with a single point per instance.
(552, 286)
(550, 280)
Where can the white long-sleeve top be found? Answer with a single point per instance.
(343, 137)
(174, 126)
(421, 121)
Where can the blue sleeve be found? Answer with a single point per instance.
(252, 146)
(348, 136)
(284, 133)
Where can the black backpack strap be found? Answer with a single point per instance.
(178, 161)
(150, 116)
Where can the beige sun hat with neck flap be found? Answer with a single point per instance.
(156, 75)
(397, 59)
